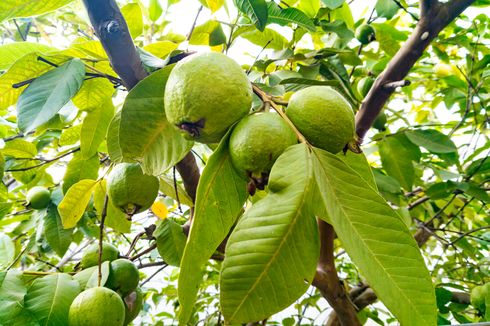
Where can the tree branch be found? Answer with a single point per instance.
(434, 17)
(112, 30)
(327, 280)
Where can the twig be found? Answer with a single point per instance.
(101, 236)
(194, 23)
(157, 263)
(144, 252)
(44, 162)
(176, 190)
(153, 275)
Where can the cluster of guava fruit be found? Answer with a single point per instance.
(116, 303)
(207, 94)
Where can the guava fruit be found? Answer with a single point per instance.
(133, 303)
(380, 122)
(123, 276)
(90, 256)
(205, 94)
(38, 197)
(364, 85)
(365, 34)
(130, 189)
(323, 116)
(478, 296)
(98, 306)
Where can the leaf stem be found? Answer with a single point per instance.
(101, 236)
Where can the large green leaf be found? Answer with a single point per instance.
(210, 33)
(58, 238)
(25, 8)
(386, 8)
(397, 154)
(360, 164)
(7, 250)
(9, 53)
(432, 140)
(75, 201)
(49, 298)
(289, 16)
(271, 255)
(268, 38)
(80, 168)
(255, 10)
(94, 129)
(144, 133)
(12, 291)
(19, 148)
(47, 94)
(377, 240)
(221, 194)
(93, 94)
(170, 241)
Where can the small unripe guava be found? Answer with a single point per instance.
(365, 34)
(98, 306)
(90, 256)
(364, 85)
(123, 276)
(38, 197)
(478, 296)
(205, 94)
(323, 116)
(130, 189)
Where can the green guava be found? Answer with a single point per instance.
(323, 116)
(97, 306)
(380, 122)
(364, 85)
(130, 190)
(258, 140)
(133, 303)
(205, 94)
(365, 34)
(90, 256)
(38, 197)
(478, 296)
(123, 276)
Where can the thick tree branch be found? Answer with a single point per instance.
(327, 280)
(435, 16)
(113, 32)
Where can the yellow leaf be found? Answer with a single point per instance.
(75, 201)
(159, 209)
(214, 5)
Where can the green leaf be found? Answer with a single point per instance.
(256, 10)
(58, 238)
(155, 10)
(397, 154)
(333, 4)
(93, 280)
(115, 218)
(221, 194)
(113, 144)
(49, 298)
(386, 8)
(214, 5)
(19, 148)
(12, 292)
(75, 201)
(276, 239)
(9, 53)
(360, 164)
(377, 240)
(93, 94)
(473, 190)
(310, 7)
(134, 18)
(80, 168)
(432, 140)
(157, 145)
(340, 28)
(25, 8)
(289, 15)
(389, 38)
(167, 187)
(94, 129)
(269, 38)
(309, 82)
(210, 33)
(70, 135)
(170, 241)
(47, 94)
(7, 250)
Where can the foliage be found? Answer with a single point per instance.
(67, 119)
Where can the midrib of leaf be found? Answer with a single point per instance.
(276, 253)
(53, 302)
(375, 257)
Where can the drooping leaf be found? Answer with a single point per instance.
(161, 49)
(58, 238)
(89, 277)
(47, 94)
(80, 168)
(7, 250)
(113, 144)
(386, 8)
(19, 148)
(210, 33)
(289, 16)
(221, 194)
(269, 38)
(154, 10)
(49, 298)
(134, 18)
(25, 8)
(432, 140)
(115, 218)
(94, 129)
(276, 239)
(397, 154)
(12, 291)
(256, 10)
(377, 240)
(360, 164)
(75, 201)
(9, 53)
(93, 94)
(170, 241)
(157, 145)
(167, 187)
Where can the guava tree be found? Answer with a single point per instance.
(149, 178)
